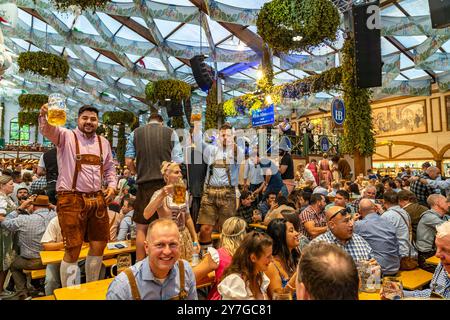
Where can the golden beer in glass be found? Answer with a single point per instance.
(56, 115)
(179, 193)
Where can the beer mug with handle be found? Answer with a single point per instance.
(123, 262)
(56, 110)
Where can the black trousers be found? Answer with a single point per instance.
(424, 256)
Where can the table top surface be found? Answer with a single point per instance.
(369, 296)
(95, 290)
(433, 260)
(415, 279)
(49, 257)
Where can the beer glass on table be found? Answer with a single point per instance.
(391, 289)
(56, 115)
(282, 294)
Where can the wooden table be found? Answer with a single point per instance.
(95, 290)
(258, 225)
(433, 260)
(415, 279)
(49, 257)
(369, 296)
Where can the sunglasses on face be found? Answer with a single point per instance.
(342, 211)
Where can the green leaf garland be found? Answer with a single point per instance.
(172, 89)
(43, 63)
(30, 118)
(83, 4)
(30, 102)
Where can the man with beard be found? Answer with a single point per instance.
(22, 195)
(85, 161)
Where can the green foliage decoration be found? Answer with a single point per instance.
(121, 144)
(178, 122)
(265, 84)
(279, 21)
(44, 63)
(83, 4)
(214, 111)
(30, 102)
(30, 118)
(172, 89)
(116, 117)
(358, 127)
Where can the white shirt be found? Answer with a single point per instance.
(233, 287)
(53, 232)
(308, 176)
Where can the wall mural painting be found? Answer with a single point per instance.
(400, 119)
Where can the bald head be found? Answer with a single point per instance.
(366, 206)
(163, 225)
(331, 212)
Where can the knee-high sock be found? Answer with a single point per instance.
(93, 266)
(70, 274)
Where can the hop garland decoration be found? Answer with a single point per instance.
(172, 89)
(281, 21)
(30, 118)
(83, 4)
(30, 102)
(214, 111)
(45, 64)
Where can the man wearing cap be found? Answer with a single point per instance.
(30, 229)
(286, 164)
(340, 232)
(147, 147)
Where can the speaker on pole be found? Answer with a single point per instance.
(367, 37)
(440, 13)
(203, 74)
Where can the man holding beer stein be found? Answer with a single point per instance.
(219, 198)
(85, 162)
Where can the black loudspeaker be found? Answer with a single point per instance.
(440, 13)
(367, 39)
(202, 72)
(174, 109)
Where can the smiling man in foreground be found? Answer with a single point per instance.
(162, 276)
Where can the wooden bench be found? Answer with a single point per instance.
(35, 274)
(109, 262)
(258, 226)
(415, 279)
(51, 297)
(433, 260)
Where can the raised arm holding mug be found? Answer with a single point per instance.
(85, 161)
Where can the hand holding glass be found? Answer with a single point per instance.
(56, 110)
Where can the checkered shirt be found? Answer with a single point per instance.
(422, 191)
(357, 247)
(309, 214)
(39, 184)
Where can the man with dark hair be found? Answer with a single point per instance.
(342, 199)
(408, 202)
(421, 190)
(343, 167)
(326, 272)
(401, 220)
(147, 147)
(22, 194)
(247, 207)
(265, 205)
(313, 220)
(127, 222)
(221, 184)
(82, 204)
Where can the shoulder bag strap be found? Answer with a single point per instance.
(409, 229)
(132, 280)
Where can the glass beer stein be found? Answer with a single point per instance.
(56, 115)
(179, 192)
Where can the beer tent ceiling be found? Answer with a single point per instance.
(116, 51)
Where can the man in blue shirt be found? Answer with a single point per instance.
(127, 221)
(381, 236)
(160, 276)
(273, 182)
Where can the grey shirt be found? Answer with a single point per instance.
(150, 288)
(381, 236)
(394, 216)
(125, 226)
(30, 229)
(426, 230)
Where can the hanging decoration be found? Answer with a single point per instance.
(214, 111)
(45, 64)
(297, 24)
(30, 118)
(30, 102)
(172, 89)
(65, 5)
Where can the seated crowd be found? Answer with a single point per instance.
(303, 232)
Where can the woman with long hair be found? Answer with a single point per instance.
(163, 203)
(314, 169)
(7, 253)
(285, 254)
(233, 233)
(245, 279)
(325, 169)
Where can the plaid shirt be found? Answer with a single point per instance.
(357, 247)
(30, 228)
(309, 214)
(439, 284)
(38, 184)
(355, 204)
(422, 191)
(246, 213)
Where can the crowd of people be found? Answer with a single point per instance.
(299, 229)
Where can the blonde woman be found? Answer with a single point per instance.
(233, 233)
(162, 202)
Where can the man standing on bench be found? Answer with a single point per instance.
(84, 162)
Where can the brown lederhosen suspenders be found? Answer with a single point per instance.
(220, 165)
(90, 159)
(135, 291)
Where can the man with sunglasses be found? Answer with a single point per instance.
(440, 284)
(340, 232)
(160, 276)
